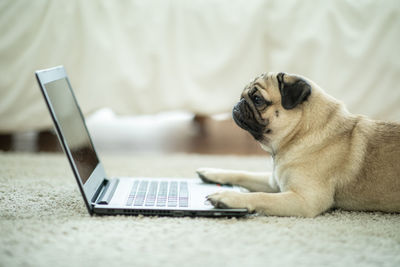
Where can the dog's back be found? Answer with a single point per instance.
(377, 184)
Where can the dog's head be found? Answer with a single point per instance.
(270, 107)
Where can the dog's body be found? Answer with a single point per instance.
(324, 157)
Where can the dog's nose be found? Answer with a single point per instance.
(237, 107)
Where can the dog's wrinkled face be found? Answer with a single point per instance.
(270, 106)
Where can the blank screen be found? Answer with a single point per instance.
(72, 126)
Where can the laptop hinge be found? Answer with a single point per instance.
(99, 190)
(105, 192)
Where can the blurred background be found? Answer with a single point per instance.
(162, 76)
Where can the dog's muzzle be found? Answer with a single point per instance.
(244, 117)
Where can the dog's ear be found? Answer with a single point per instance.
(294, 91)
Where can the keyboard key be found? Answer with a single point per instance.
(141, 194)
(183, 194)
(130, 201)
(132, 193)
(173, 194)
(162, 194)
(151, 195)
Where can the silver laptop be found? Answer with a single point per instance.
(119, 195)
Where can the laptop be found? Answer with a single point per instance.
(119, 195)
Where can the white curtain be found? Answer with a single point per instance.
(148, 56)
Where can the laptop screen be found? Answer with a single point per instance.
(72, 126)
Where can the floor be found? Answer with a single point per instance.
(43, 222)
(170, 132)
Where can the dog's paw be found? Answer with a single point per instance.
(229, 200)
(212, 175)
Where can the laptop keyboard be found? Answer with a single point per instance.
(159, 194)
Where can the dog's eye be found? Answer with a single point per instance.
(258, 101)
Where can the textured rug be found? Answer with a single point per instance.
(43, 222)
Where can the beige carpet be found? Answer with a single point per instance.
(43, 222)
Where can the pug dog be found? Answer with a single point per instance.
(323, 156)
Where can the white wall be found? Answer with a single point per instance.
(140, 57)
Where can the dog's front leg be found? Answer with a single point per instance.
(287, 203)
(253, 181)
